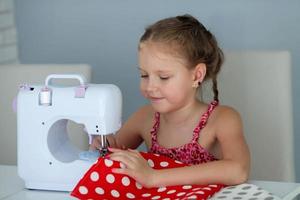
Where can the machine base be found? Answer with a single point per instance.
(49, 186)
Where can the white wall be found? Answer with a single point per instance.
(104, 34)
(8, 42)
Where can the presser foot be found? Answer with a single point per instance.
(103, 152)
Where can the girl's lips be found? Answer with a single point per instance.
(155, 99)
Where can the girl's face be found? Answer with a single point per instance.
(165, 80)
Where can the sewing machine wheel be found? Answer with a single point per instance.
(66, 139)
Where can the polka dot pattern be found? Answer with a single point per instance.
(161, 189)
(110, 178)
(94, 176)
(100, 182)
(151, 163)
(186, 187)
(164, 164)
(244, 191)
(130, 196)
(115, 193)
(125, 181)
(122, 165)
(83, 190)
(99, 190)
(138, 185)
(146, 195)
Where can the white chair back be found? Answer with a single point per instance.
(258, 85)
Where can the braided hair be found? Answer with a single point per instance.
(191, 40)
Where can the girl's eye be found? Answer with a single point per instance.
(164, 78)
(144, 76)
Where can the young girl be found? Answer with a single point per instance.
(176, 55)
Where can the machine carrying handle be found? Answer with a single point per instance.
(79, 77)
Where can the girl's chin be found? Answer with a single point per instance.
(161, 108)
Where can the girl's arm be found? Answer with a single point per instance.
(232, 169)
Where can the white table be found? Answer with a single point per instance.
(12, 188)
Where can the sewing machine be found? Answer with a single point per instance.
(46, 157)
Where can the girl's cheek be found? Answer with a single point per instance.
(143, 92)
(143, 87)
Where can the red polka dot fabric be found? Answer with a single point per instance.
(100, 182)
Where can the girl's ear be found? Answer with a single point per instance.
(199, 74)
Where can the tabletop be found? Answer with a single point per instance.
(12, 188)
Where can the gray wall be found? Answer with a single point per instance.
(104, 34)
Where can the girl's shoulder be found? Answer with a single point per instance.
(224, 110)
(144, 115)
(226, 120)
(225, 115)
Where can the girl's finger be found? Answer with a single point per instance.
(119, 152)
(120, 171)
(125, 159)
(134, 152)
(114, 149)
(124, 171)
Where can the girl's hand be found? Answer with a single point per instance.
(135, 166)
(95, 145)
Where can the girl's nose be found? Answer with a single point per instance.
(151, 85)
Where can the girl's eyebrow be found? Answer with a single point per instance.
(158, 71)
(141, 69)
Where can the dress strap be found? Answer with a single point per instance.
(155, 127)
(204, 119)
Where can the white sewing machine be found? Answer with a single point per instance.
(46, 157)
